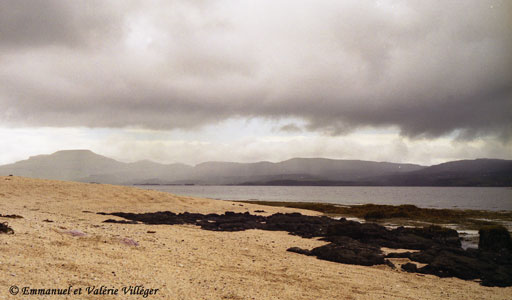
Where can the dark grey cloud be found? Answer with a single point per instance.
(30, 23)
(429, 68)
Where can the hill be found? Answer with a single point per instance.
(87, 166)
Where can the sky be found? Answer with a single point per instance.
(211, 80)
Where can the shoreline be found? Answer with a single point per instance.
(392, 216)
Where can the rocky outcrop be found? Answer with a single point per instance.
(349, 251)
(492, 268)
(356, 243)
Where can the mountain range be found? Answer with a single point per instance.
(87, 166)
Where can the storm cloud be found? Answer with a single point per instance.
(428, 68)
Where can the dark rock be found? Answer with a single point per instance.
(11, 216)
(399, 255)
(349, 251)
(297, 224)
(389, 264)
(446, 263)
(358, 231)
(408, 238)
(425, 238)
(441, 235)
(4, 228)
(493, 268)
(299, 250)
(119, 221)
(410, 267)
(494, 238)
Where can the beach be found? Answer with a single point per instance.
(62, 243)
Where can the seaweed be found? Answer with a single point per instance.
(471, 219)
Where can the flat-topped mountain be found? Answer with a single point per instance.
(87, 166)
(64, 165)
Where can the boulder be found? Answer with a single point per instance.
(494, 238)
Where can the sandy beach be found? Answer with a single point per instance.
(61, 243)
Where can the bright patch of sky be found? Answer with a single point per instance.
(243, 141)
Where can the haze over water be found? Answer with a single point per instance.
(479, 198)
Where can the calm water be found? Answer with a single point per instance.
(427, 197)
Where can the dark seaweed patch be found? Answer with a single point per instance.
(471, 219)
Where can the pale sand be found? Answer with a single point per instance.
(184, 262)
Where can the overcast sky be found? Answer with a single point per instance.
(193, 81)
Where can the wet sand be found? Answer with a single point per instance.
(181, 261)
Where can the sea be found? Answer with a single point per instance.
(478, 198)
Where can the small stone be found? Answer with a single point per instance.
(75, 232)
(129, 242)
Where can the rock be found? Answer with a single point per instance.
(494, 238)
(493, 268)
(299, 250)
(11, 216)
(120, 221)
(408, 238)
(446, 263)
(349, 251)
(129, 242)
(410, 267)
(358, 231)
(297, 224)
(4, 228)
(399, 255)
(423, 238)
(440, 235)
(389, 264)
(75, 232)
